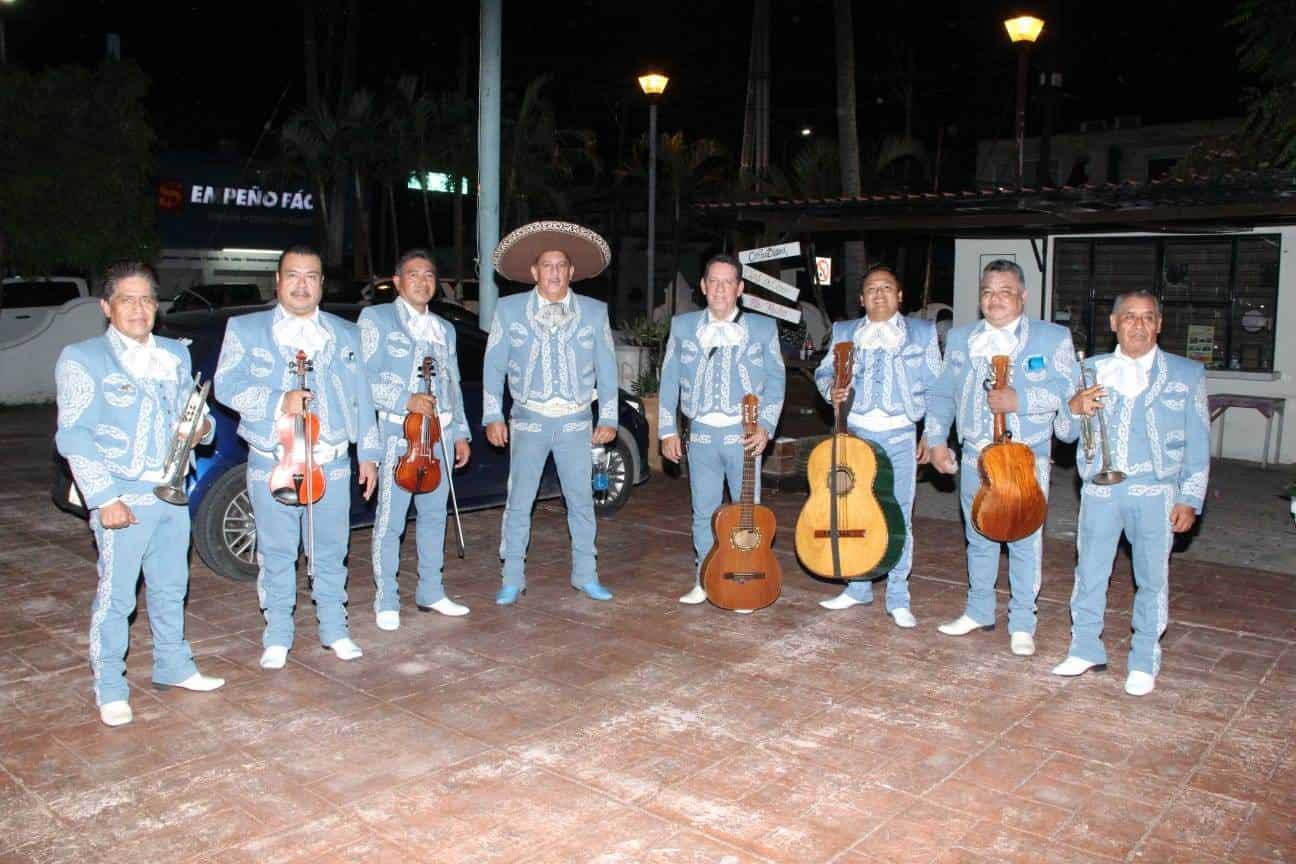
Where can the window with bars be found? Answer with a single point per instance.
(1219, 295)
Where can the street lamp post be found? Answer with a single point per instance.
(1023, 31)
(4, 54)
(653, 85)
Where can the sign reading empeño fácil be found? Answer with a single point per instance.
(253, 196)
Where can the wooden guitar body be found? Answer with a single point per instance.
(871, 530)
(741, 571)
(1009, 505)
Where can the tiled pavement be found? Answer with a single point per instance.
(562, 730)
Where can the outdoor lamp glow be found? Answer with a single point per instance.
(653, 84)
(1024, 28)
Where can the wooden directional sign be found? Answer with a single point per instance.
(756, 304)
(770, 253)
(769, 283)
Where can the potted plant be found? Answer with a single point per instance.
(647, 337)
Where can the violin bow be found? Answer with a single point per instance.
(310, 487)
(449, 476)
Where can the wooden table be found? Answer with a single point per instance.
(1220, 403)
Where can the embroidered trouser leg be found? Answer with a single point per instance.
(899, 446)
(532, 438)
(1142, 512)
(158, 543)
(281, 530)
(715, 455)
(1147, 525)
(1097, 534)
(389, 525)
(1024, 556)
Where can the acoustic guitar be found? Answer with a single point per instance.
(1009, 505)
(851, 528)
(740, 571)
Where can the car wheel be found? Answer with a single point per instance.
(620, 482)
(224, 530)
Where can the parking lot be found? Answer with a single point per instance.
(563, 730)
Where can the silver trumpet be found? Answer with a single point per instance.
(1107, 475)
(176, 466)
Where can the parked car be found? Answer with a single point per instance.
(223, 530)
(38, 317)
(216, 296)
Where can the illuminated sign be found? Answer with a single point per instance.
(251, 196)
(437, 182)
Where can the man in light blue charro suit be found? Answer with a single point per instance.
(255, 377)
(121, 399)
(896, 362)
(713, 359)
(554, 349)
(1158, 421)
(395, 338)
(1042, 371)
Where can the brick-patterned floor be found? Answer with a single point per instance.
(563, 730)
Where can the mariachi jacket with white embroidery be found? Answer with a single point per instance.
(393, 360)
(700, 382)
(895, 382)
(254, 373)
(1170, 422)
(1042, 370)
(113, 426)
(575, 362)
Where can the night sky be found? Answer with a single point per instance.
(219, 68)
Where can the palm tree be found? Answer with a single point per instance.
(689, 169)
(310, 146)
(847, 132)
(541, 159)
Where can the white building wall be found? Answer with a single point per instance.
(971, 256)
(1245, 428)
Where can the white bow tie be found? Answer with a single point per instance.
(554, 315)
(878, 334)
(147, 360)
(425, 329)
(1123, 375)
(720, 334)
(300, 334)
(991, 342)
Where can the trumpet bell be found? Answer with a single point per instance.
(1107, 477)
(171, 494)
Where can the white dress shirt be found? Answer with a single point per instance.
(993, 341)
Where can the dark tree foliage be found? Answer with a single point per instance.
(77, 155)
(1267, 50)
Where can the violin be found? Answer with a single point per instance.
(851, 528)
(419, 470)
(740, 571)
(297, 480)
(1009, 505)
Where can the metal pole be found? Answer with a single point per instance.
(1023, 49)
(652, 203)
(488, 157)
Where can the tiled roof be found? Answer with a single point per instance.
(1118, 200)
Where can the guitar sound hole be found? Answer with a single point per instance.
(844, 480)
(745, 539)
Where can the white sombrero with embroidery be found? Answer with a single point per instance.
(516, 253)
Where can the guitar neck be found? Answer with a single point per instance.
(747, 502)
